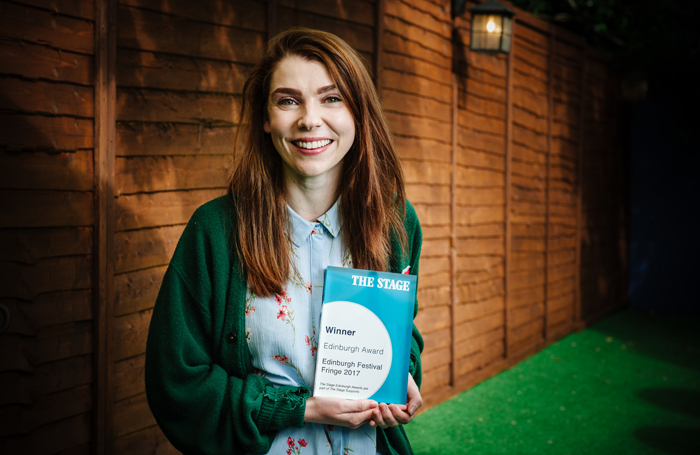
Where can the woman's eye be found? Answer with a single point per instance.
(286, 102)
(333, 99)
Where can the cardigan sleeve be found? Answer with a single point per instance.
(200, 407)
(415, 239)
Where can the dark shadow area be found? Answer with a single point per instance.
(681, 401)
(671, 440)
(671, 339)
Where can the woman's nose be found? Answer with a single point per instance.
(310, 117)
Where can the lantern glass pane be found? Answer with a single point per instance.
(507, 34)
(486, 32)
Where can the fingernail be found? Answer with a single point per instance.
(373, 404)
(412, 410)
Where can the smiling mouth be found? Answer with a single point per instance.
(312, 144)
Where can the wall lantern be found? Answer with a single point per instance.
(492, 26)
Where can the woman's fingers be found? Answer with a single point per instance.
(415, 400)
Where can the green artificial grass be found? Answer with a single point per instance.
(627, 385)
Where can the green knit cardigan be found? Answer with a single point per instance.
(199, 376)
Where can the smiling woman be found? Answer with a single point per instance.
(316, 182)
(312, 130)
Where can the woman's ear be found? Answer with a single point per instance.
(266, 126)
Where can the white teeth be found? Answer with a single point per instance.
(313, 144)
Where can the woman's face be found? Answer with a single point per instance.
(310, 124)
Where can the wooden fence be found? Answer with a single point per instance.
(117, 122)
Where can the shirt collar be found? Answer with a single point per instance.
(300, 229)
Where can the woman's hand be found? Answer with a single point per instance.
(391, 415)
(338, 411)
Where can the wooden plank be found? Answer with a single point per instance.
(471, 329)
(28, 209)
(174, 72)
(430, 42)
(361, 12)
(433, 319)
(410, 148)
(417, 172)
(523, 117)
(51, 344)
(29, 245)
(479, 263)
(418, 127)
(40, 62)
(526, 296)
(530, 139)
(435, 359)
(132, 414)
(481, 342)
(152, 174)
(479, 215)
(143, 105)
(472, 311)
(436, 248)
(436, 341)
(51, 438)
(481, 123)
(479, 89)
(480, 359)
(47, 171)
(137, 291)
(479, 140)
(145, 30)
(244, 14)
(422, 14)
(482, 106)
(527, 279)
(44, 27)
(407, 64)
(411, 103)
(84, 9)
(427, 193)
(47, 310)
(145, 248)
(482, 246)
(401, 43)
(25, 282)
(129, 377)
(468, 195)
(436, 380)
(145, 442)
(523, 334)
(45, 409)
(47, 97)
(481, 231)
(22, 388)
(526, 314)
(433, 215)
(129, 334)
(159, 209)
(358, 36)
(38, 132)
(173, 139)
(474, 177)
(480, 159)
(433, 296)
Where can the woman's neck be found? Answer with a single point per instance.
(311, 198)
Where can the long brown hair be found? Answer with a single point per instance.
(371, 185)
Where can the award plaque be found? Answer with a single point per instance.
(365, 335)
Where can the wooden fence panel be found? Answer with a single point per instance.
(46, 189)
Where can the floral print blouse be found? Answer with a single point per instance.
(282, 334)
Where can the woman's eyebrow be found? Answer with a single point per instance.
(325, 89)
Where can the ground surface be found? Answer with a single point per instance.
(627, 385)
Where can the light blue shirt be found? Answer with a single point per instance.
(282, 334)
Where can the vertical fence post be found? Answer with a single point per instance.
(548, 184)
(578, 316)
(508, 195)
(453, 233)
(103, 298)
(380, 9)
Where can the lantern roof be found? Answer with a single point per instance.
(491, 7)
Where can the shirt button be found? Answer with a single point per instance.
(231, 337)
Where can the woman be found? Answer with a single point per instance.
(316, 182)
